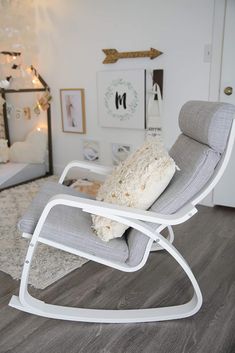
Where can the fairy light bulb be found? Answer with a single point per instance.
(28, 70)
(34, 80)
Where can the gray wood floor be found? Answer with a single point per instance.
(207, 242)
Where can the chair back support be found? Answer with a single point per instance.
(201, 152)
(207, 122)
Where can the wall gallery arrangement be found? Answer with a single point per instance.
(126, 99)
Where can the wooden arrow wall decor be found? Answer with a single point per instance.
(112, 55)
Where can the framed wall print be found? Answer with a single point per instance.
(121, 98)
(120, 152)
(73, 110)
(91, 150)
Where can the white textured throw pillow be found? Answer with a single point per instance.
(137, 182)
(32, 150)
(4, 151)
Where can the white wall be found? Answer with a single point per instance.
(72, 34)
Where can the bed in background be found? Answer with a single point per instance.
(25, 116)
(12, 174)
(24, 160)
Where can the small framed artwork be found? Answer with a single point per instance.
(121, 98)
(91, 150)
(72, 102)
(120, 152)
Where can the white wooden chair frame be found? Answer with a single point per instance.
(134, 218)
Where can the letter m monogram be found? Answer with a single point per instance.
(120, 100)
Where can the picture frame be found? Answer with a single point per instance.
(120, 151)
(122, 98)
(91, 150)
(72, 102)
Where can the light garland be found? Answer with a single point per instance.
(18, 71)
(42, 104)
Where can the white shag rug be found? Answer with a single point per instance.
(49, 264)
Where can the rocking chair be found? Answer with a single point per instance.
(60, 217)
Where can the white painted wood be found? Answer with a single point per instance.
(104, 208)
(108, 316)
(170, 238)
(217, 49)
(133, 218)
(27, 303)
(89, 166)
(26, 235)
(215, 67)
(224, 193)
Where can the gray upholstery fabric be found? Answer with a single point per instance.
(137, 243)
(207, 126)
(70, 226)
(29, 221)
(197, 163)
(207, 122)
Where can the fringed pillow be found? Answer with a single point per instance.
(137, 182)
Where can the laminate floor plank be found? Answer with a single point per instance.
(207, 242)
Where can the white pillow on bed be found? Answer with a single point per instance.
(4, 151)
(137, 182)
(32, 150)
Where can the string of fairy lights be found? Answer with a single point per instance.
(30, 78)
(14, 68)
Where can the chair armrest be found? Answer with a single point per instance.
(132, 217)
(95, 168)
(105, 209)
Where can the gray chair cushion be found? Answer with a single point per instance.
(207, 122)
(30, 219)
(70, 226)
(206, 127)
(197, 163)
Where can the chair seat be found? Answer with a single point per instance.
(70, 226)
(30, 219)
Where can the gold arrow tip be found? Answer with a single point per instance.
(154, 53)
(110, 51)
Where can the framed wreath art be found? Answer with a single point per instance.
(121, 99)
